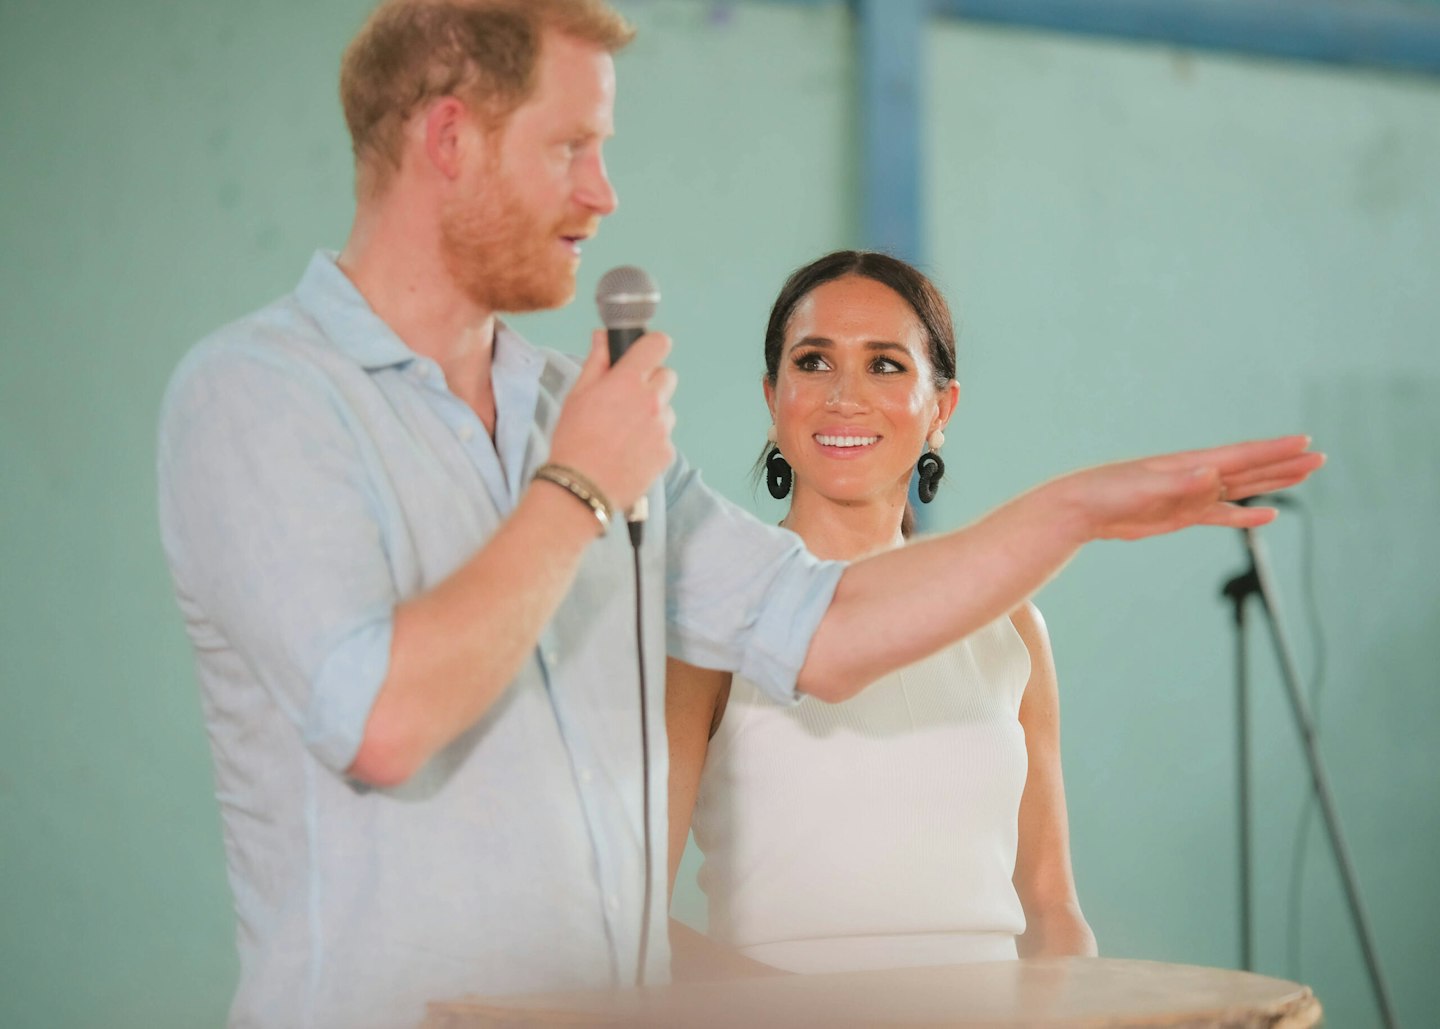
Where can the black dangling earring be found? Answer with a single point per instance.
(930, 469)
(778, 476)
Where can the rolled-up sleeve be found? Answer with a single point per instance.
(741, 596)
(275, 539)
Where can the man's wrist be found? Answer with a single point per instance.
(1061, 504)
(581, 488)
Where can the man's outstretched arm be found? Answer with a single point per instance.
(894, 608)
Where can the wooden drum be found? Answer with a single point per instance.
(1058, 993)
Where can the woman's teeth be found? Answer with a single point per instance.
(846, 441)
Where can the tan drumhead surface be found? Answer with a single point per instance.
(1096, 993)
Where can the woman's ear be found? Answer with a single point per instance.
(946, 399)
(769, 388)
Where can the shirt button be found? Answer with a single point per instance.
(612, 903)
(586, 775)
(467, 432)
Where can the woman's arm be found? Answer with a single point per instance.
(1054, 925)
(695, 700)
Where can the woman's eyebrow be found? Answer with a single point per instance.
(823, 343)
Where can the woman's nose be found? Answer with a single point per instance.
(845, 394)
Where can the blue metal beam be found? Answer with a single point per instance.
(890, 39)
(1403, 36)
(1372, 33)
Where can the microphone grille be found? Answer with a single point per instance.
(627, 297)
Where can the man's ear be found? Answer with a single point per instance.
(449, 132)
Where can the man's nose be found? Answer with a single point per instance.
(595, 191)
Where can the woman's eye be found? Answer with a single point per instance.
(887, 366)
(810, 363)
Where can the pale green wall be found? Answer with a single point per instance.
(1151, 250)
(1145, 250)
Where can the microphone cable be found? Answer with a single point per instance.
(636, 534)
(627, 298)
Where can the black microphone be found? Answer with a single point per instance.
(627, 297)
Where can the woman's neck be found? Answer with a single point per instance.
(842, 530)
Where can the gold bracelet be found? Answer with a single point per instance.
(579, 487)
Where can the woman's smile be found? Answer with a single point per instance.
(844, 444)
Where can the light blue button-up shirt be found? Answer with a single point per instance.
(314, 473)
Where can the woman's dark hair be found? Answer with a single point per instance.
(905, 279)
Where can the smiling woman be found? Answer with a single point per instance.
(859, 364)
(921, 821)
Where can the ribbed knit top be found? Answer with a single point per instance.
(876, 832)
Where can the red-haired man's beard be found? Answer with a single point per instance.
(506, 258)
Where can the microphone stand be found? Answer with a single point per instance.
(1256, 580)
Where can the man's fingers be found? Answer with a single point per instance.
(1276, 475)
(1233, 516)
(596, 362)
(1255, 489)
(645, 355)
(665, 380)
(1198, 487)
(1237, 457)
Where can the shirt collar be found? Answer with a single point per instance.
(346, 318)
(349, 322)
(513, 354)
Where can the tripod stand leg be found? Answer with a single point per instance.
(1242, 763)
(1306, 728)
(1237, 591)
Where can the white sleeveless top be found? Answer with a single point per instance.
(878, 832)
